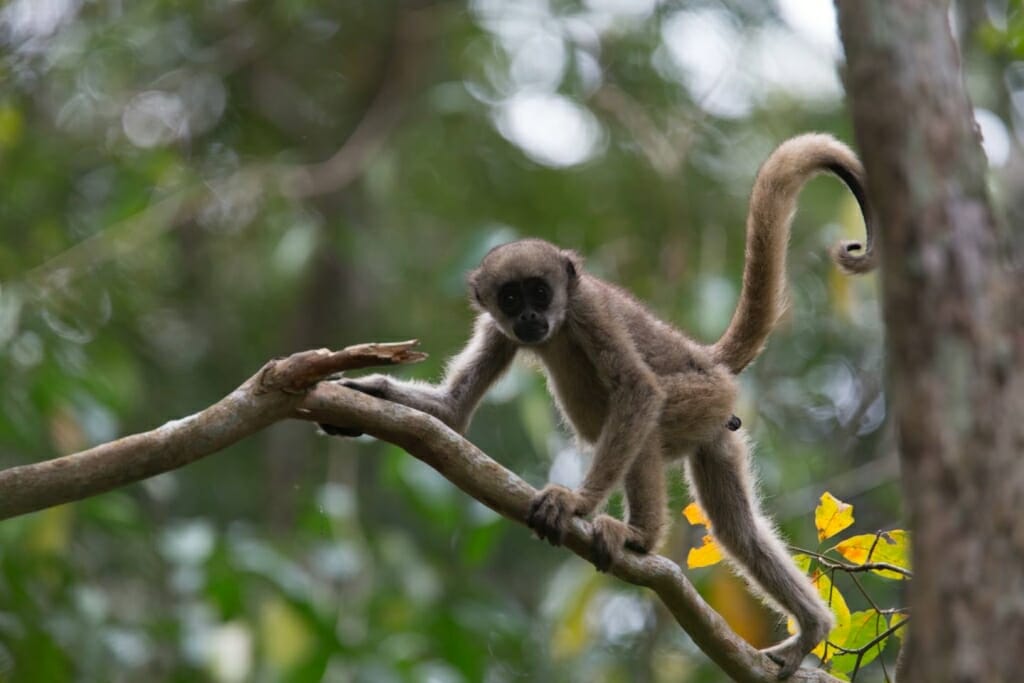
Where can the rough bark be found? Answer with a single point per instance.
(952, 291)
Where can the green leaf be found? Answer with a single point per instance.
(895, 619)
(803, 562)
(865, 626)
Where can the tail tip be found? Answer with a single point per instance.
(852, 257)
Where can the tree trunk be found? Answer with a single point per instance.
(952, 298)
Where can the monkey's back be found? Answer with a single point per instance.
(702, 394)
(665, 348)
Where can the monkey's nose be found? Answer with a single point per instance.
(531, 330)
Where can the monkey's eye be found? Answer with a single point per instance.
(538, 293)
(510, 299)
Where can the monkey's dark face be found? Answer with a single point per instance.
(525, 286)
(525, 304)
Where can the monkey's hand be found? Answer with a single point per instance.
(551, 513)
(611, 537)
(373, 385)
(378, 386)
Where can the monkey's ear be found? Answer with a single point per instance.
(573, 264)
(472, 281)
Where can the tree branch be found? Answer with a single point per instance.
(415, 33)
(291, 387)
(272, 394)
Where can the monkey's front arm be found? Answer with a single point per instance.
(487, 355)
(635, 400)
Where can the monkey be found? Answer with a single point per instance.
(642, 393)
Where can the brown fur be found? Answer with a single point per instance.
(643, 393)
(772, 205)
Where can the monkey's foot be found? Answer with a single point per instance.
(610, 539)
(333, 430)
(551, 512)
(788, 654)
(374, 385)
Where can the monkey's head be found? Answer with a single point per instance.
(525, 286)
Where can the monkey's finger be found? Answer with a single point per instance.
(554, 526)
(610, 537)
(557, 537)
(333, 430)
(536, 519)
(534, 508)
(533, 515)
(637, 546)
(601, 554)
(549, 519)
(787, 664)
(376, 392)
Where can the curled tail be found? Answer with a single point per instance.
(772, 205)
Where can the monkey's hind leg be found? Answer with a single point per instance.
(646, 498)
(720, 478)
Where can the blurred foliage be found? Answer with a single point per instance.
(155, 252)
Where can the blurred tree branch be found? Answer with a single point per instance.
(415, 33)
(292, 388)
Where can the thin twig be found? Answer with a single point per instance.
(852, 568)
(875, 641)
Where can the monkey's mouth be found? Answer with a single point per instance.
(531, 331)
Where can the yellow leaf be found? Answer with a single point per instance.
(803, 562)
(839, 293)
(11, 126)
(730, 596)
(572, 631)
(837, 603)
(695, 515)
(832, 516)
(287, 637)
(894, 620)
(890, 547)
(50, 531)
(708, 554)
